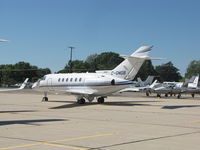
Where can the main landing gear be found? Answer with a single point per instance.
(45, 98)
(100, 100)
(192, 95)
(179, 96)
(159, 95)
(81, 101)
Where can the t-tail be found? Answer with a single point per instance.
(194, 84)
(131, 65)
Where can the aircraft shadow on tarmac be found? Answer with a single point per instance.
(179, 106)
(16, 111)
(29, 122)
(124, 103)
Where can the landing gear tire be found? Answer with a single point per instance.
(158, 95)
(147, 93)
(100, 100)
(81, 101)
(192, 95)
(166, 95)
(179, 96)
(45, 99)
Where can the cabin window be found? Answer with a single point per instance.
(63, 80)
(59, 80)
(67, 80)
(71, 79)
(75, 79)
(80, 79)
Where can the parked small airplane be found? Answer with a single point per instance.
(15, 89)
(100, 84)
(193, 88)
(173, 88)
(139, 86)
(148, 81)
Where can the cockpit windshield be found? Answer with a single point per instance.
(43, 78)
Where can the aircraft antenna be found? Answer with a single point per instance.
(70, 61)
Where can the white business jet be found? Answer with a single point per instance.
(15, 89)
(95, 85)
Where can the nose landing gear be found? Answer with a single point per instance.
(45, 98)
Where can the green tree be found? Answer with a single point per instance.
(12, 74)
(193, 68)
(168, 72)
(78, 66)
(146, 69)
(103, 61)
(108, 60)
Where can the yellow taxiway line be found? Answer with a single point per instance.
(192, 122)
(55, 142)
(65, 146)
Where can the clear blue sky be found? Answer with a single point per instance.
(41, 30)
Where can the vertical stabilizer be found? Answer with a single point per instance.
(194, 84)
(153, 84)
(131, 65)
(149, 80)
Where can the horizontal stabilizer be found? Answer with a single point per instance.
(151, 58)
(141, 57)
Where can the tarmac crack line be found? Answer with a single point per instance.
(146, 140)
(56, 144)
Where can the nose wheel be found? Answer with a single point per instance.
(45, 98)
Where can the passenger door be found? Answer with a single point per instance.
(49, 83)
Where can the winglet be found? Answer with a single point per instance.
(24, 84)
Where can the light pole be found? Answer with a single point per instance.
(70, 61)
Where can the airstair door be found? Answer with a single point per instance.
(49, 83)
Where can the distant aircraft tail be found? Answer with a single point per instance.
(149, 80)
(131, 65)
(194, 84)
(23, 84)
(153, 84)
(139, 79)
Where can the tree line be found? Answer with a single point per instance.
(12, 74)
(109, 60)
(17, 73)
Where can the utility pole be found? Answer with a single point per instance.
(70, 61)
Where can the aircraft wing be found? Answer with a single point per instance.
(81, 91)
(130, 89)
(16, 89)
